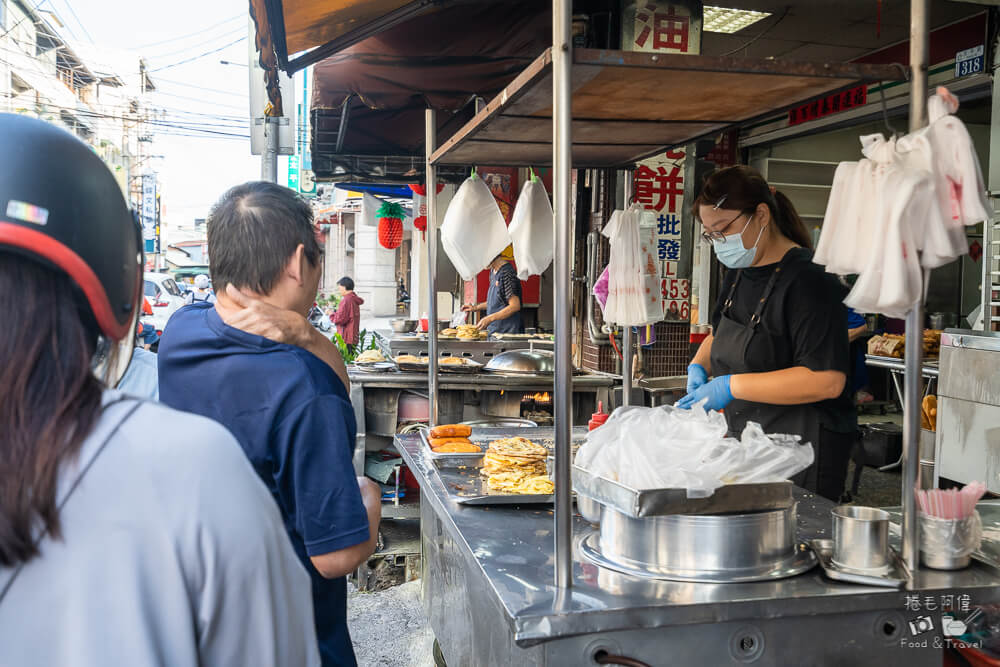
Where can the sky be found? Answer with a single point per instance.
(202, 93)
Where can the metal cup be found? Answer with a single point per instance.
(860, 537)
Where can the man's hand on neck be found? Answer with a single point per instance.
(256, 315)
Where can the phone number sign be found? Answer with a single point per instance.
(676, 295)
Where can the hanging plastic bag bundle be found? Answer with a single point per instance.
(531, 229)
(634, 296)
(473, 232)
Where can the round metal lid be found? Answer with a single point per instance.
(523, 361)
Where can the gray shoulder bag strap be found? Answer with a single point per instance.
(114, 414)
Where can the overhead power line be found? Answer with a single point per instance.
(192, 34)
(196, 45)
(69, 5)
(198, 57)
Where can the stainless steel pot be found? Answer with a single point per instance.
(589, 509)
(720, 548)
(860, 538)
(400, 325)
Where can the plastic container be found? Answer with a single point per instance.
(423, 323)
(598, 418)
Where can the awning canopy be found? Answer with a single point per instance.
(628, 105)
(369, 101)
(315, 29)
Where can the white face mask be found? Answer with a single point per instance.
(731, 251)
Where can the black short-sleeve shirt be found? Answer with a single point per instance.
(806, 314)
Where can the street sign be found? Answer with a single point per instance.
(293, 172)
(969, 61)
(149, 212)
(307, 182)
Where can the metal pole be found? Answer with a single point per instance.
(562, 163)
(430, 179)
(627, 336)
(269, 160)
(912, 393)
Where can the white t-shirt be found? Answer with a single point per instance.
(172, 553)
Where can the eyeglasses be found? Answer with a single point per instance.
(720, 235)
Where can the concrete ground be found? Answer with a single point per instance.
(388, 628)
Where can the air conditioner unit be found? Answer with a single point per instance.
(350, 242)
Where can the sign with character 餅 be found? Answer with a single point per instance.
(659, 187)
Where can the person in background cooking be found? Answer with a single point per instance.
(116, 548)
(503, 300)
(778, 354)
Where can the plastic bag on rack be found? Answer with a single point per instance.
(473, 232)
(664, 447)
(461, 317)
(531, 229)
(634, 297)
(600, 290)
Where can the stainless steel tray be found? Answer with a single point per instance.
(483, 436)
(462, 480)
(430, 453)
(801, 560)
(377, 366)
(407, 367)
(896, 577)
(657, 502)
(469, 367)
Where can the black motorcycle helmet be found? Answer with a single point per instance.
(60, 205)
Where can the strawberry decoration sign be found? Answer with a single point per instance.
(390, 225)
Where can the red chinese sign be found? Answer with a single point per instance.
(658, 30)
(829, 105)
(659, 187)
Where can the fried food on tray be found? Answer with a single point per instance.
(410, 359)
(448, 333)
(437, 442)
(451, 431)
(520, 483)
(452, 361)
(516, 465)
(518, 447)
(369, 356)
(457, 446)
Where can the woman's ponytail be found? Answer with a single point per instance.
(789, 222)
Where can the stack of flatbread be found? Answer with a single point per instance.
(516, 465)
(470, 332)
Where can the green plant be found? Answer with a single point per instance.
(350, 351)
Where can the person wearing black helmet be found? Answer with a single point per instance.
(116, 548)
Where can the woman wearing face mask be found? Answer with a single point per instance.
(779, 353)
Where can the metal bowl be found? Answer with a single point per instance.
(400, 325)
(501, 422)
(536, 362)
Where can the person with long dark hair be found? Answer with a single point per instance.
(778, 352)
(116, 548)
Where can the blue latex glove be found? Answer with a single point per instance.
(717, 392)
(697, 376)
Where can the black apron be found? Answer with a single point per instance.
(730, 346)
(495, 302)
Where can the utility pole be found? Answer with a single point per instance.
(269, 160)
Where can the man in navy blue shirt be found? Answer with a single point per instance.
(288, 408)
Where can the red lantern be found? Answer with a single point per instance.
(390, 225)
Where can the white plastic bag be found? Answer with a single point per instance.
(531, 230)
(634, 297)
(473, 232)
(669, 448)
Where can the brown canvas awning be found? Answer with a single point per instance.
(368, 101)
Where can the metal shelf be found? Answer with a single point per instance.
(630, 105)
